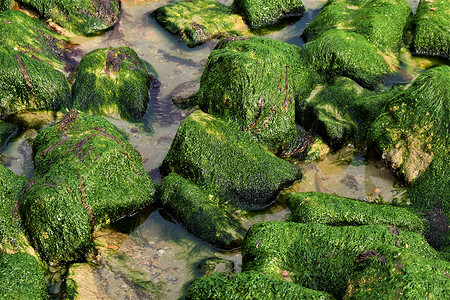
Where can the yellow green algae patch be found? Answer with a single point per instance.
(255, 82)
(112, 82)
(85, 17)
(261, 13)
(86, 175)
(201, 213)
(326, 258)
(199, 21)
(227, 162)
(431, 28)
(314, 207)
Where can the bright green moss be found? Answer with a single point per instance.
(313, 207)
(249, 285)
(5, 4)
(199, 21)
(228, 163)
(200, 213)
(86, 175)
(260, 13)
(255, 82)
(21, 277)
(392, 273)
(340, 53)
(431, 34)
(81, 16)
(12, 237)
(113, 81)
(7, 130)
(382, 22)
(323, 257)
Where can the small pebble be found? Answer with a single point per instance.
(376, 190)
(285, 273)
(134, 130)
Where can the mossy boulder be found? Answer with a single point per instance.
(21, 277)
(342, 111)
(384, 23)
(341, 53)
(431, 24)
(254, 82)
(86, 175)
(5, 4)
(113, 81)
(7, 130)
(12, 233)
(249, 285)
(80, 17)
(314, 207)
(202, 214)
(199, 21)
(261, 13)
(227, 162)
(323, 257)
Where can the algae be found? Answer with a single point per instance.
(431, 23)
(113, 81)
(260, 13)
(21, 277)
(85, 17)
(5, 4)
(86, 175)
(199, 21)
(227, 162)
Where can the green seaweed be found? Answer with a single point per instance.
(255, 82)
(200, 213)
(85, 17)
(322, 257)
(341, 53)
(21, 277)
(198, 21)
(314, 207)
(227, 162)
(86, 175)
(431, 23)
(249, 285)
(260, 13)
(113, 81)
(5, 4)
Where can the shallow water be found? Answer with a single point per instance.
(150, 254)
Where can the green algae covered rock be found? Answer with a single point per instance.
(81, 17)
(390, 273)
(260, 13)
(113, 81)
(227, 163)
(198, 21)
(314, 207)
(431, 34)
(12, 233)
(255, 82)
(86, 175)
(202, 214)
(7, 130)
(383, 23)
(249, 285)
(5, 4)
(341, 53)
(322, 257)
(21, 277)
(342, 111)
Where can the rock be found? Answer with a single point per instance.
(185, 95)
(21, 277)
(121, 80)
(81, 283)
(85, 17)
(260, 13)
(250, 285)
(201, 213)
(216, 265)
(314, 207)
(199, 21)
(431, 23)
(322, 257)
(86, 175)
(255, 83)
(221, 159)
